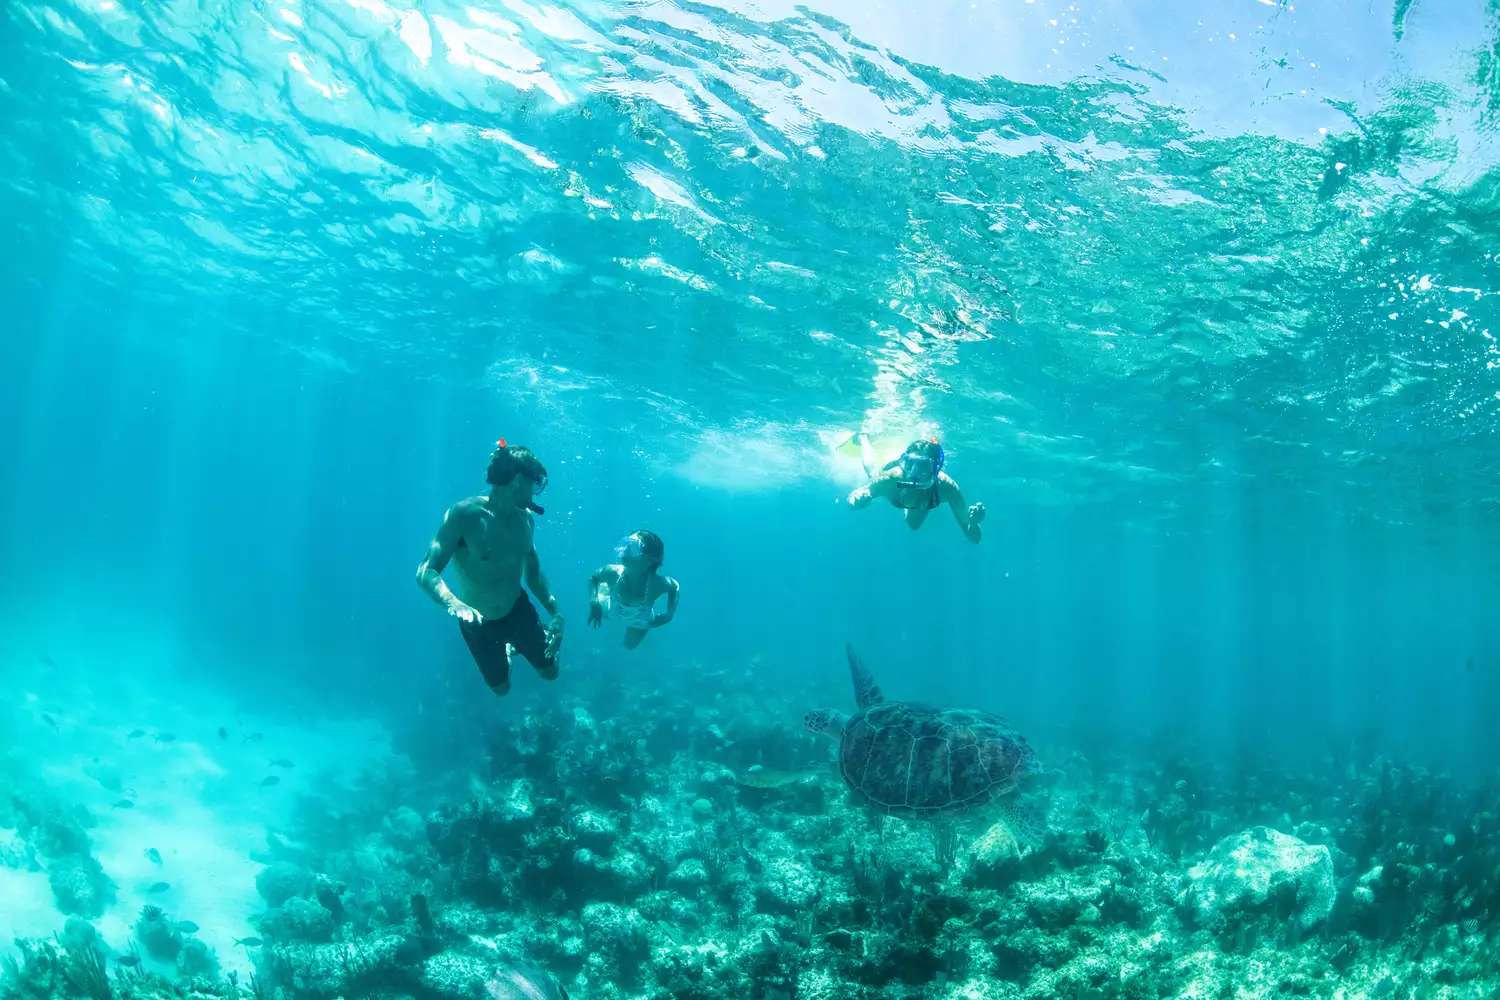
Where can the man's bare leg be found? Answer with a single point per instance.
(503, 688)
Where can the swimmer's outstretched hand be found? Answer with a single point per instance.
(976, 513)
(554, 636)
(596, 614)
(464, 613)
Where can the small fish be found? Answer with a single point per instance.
(187, 927)
(129, 961)
(253, 738)
(268, 782)
(223, 733)
(123, 804)
(49, 720)
(282, 762)
(49, 661)
(165, 737)
(249, 942)
(158, 888)
(136, 735)
(153, 855)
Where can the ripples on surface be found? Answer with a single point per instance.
(765, 224)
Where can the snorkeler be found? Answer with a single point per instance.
(628, 589)
(491, 538)
(916, 483)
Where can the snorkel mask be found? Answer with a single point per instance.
(630, 547)
(919, 469)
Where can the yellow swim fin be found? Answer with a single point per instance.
(851, 446)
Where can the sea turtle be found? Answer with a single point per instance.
(921, 762)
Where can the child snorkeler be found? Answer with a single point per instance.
(628, 589)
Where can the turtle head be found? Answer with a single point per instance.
(825, 722)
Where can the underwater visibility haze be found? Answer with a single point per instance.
(1197, 298)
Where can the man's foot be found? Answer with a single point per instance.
(501, 689)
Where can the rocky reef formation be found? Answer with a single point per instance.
(58, 838)
(616, 846)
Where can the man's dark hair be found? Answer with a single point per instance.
(511, 459)
(652, 547)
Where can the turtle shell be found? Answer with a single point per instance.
(918, 761)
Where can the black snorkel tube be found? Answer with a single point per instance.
(532, 506)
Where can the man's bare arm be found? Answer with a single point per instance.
(536, 582)
(968, 518)
(444, 543)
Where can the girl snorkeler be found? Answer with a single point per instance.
(628, 588)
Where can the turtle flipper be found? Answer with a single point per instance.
(866, 691)
(772, 778)
(1026, 819)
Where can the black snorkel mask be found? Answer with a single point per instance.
(537, 485)
(919, 469)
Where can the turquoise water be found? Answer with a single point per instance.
(1200, 299)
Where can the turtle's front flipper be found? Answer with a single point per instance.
(866, 691)
(1027, 821)
(774, 778)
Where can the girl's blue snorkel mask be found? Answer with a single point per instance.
(630, 547)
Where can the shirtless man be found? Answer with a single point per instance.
(491, 540)
(917, 484)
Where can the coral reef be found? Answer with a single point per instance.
(79, 884)
(158, 934)
(614, 846)
(618, 849)
(1258, 871)
(45, 970)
